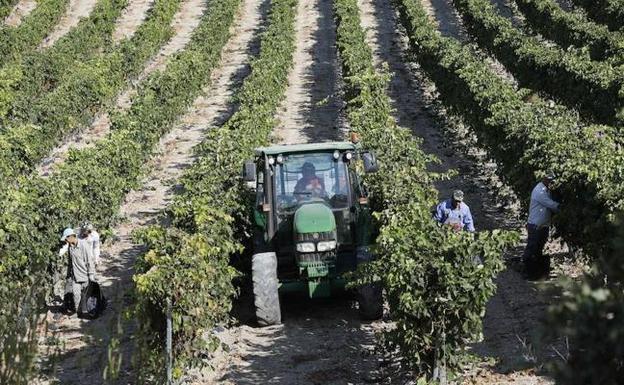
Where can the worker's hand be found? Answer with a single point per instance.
(92, 278)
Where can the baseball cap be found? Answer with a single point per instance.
(68, 232)
(550, 175)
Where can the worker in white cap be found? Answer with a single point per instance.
(455, 213)
(80, 263)
(541, 208)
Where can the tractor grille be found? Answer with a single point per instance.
(315, 237)
(307, 258)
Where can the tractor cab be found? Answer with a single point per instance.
(313, 223)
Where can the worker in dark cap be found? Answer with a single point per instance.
(455, 213)
(541, 208)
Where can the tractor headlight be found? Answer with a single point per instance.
(306, 247)
(326, 246)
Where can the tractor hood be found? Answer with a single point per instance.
(314, 218)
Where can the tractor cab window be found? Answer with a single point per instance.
(303, 178)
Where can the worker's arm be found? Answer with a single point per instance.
(468, 221)
(90, 262)
(543, 198)
(96, 246)
(440, 214)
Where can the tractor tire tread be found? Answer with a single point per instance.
(266, 289)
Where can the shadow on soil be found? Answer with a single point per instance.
(320, 341)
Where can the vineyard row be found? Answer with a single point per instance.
(81, 95)
(527, 138)
(93, 182)
(188, 263)
(573, 29)
(40, 72)
(15, 41)
(436, 293)
(609, 12)
(594, 88)
(5, 8)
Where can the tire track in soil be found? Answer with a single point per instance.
(513, 313)
(21, 10)
(318, 342)
(184, 23)
(311, 110)
(83, 344)
(131, 17)
(76, 10)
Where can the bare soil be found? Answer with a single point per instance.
(446, 17)
(83, 345)
(184, 23)
(22, 9)
(319, 342)
(77, 9)
(312, 107)
(131, 17)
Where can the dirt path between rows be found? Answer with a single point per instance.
(131, 17)
(184, 23)
(83, 344)
(22, 9)
(76, 10)
(319, 342)
(513, 314)
(311, 109)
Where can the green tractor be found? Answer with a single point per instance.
(312, 224)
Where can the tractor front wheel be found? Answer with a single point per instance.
(370, 299)
(265, 288)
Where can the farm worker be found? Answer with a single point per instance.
(309, 182)
(455, 213)
(80, 264)
(541, 208)
(88, 232)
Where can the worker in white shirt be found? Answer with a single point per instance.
(541, 208)
(80, 264)
(87, 231)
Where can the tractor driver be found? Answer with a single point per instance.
(309, 184)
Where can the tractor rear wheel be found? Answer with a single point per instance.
(370, 299)
(265, 288)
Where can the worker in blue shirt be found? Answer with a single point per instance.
(455, 213)
(541, 208)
